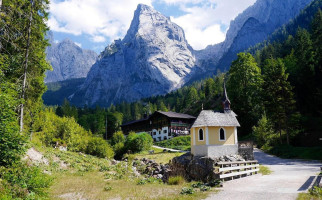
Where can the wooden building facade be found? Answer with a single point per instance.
(161, 125)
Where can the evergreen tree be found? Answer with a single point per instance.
(317, 45)
(209, 87)
(263, 132)
(23, 29)
(304, 86)
(277, 95)
(162, 107)
(192, 97)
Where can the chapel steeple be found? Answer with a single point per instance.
(225, 102)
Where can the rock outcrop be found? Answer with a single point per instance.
(199, 168)
(68, 60)
(252, 26)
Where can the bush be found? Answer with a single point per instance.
(119, 150)
(50, 128)
(11, 141)
(316, 191)
(23, 182)
(181, 143)
(176, 180)
(143, 142)
(138, 142)
(118, 137)
(100, 148)
(130, 141)
(187, 191)
(263, 132)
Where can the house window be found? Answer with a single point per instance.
(200, 135)
(222, 134)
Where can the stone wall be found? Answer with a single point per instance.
(193, 168)
(246, 150)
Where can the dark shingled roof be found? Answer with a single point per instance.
(212, 118)
(176, 115)
(135, 121)
(168, 114)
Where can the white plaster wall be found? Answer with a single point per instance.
(214, 151)
(162, 135)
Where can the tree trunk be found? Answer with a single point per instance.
(287, 138)
(23, 92)
(281, 141)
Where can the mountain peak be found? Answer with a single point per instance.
(144, 8)
(152, 59)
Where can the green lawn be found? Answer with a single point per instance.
(180, 143)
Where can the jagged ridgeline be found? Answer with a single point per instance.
(153, 58)
(68, 60)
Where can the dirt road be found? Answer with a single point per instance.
(289, 177)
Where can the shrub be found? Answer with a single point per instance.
(316, 191)
(187, 191)
(138, 142)
(11, 141)
(100, 148)
(143, 142)
(181, 143)
(119, 150)
(51, 129)
(130, 141)
(118, 137)
(176, 180)
(107, 188)
(204, 188)
(23, 182)
(263, 132)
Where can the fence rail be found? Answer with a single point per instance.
(237, 169)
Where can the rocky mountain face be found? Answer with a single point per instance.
(252, 26)
(68, 60)
(153, 58)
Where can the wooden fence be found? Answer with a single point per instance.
(237, 169)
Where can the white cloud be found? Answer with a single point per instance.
(99, 19)
(203, 19)
(106, 20)
(98, 38)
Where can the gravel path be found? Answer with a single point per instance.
(289, 177)
(168, 149)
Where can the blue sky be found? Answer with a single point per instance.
(93, 24)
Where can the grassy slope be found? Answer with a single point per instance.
(86, 177)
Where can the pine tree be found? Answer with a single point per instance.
(209, 88)
(192, 97)
(277, 95)
(23, 29)
(317, 46)
(304, 86)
